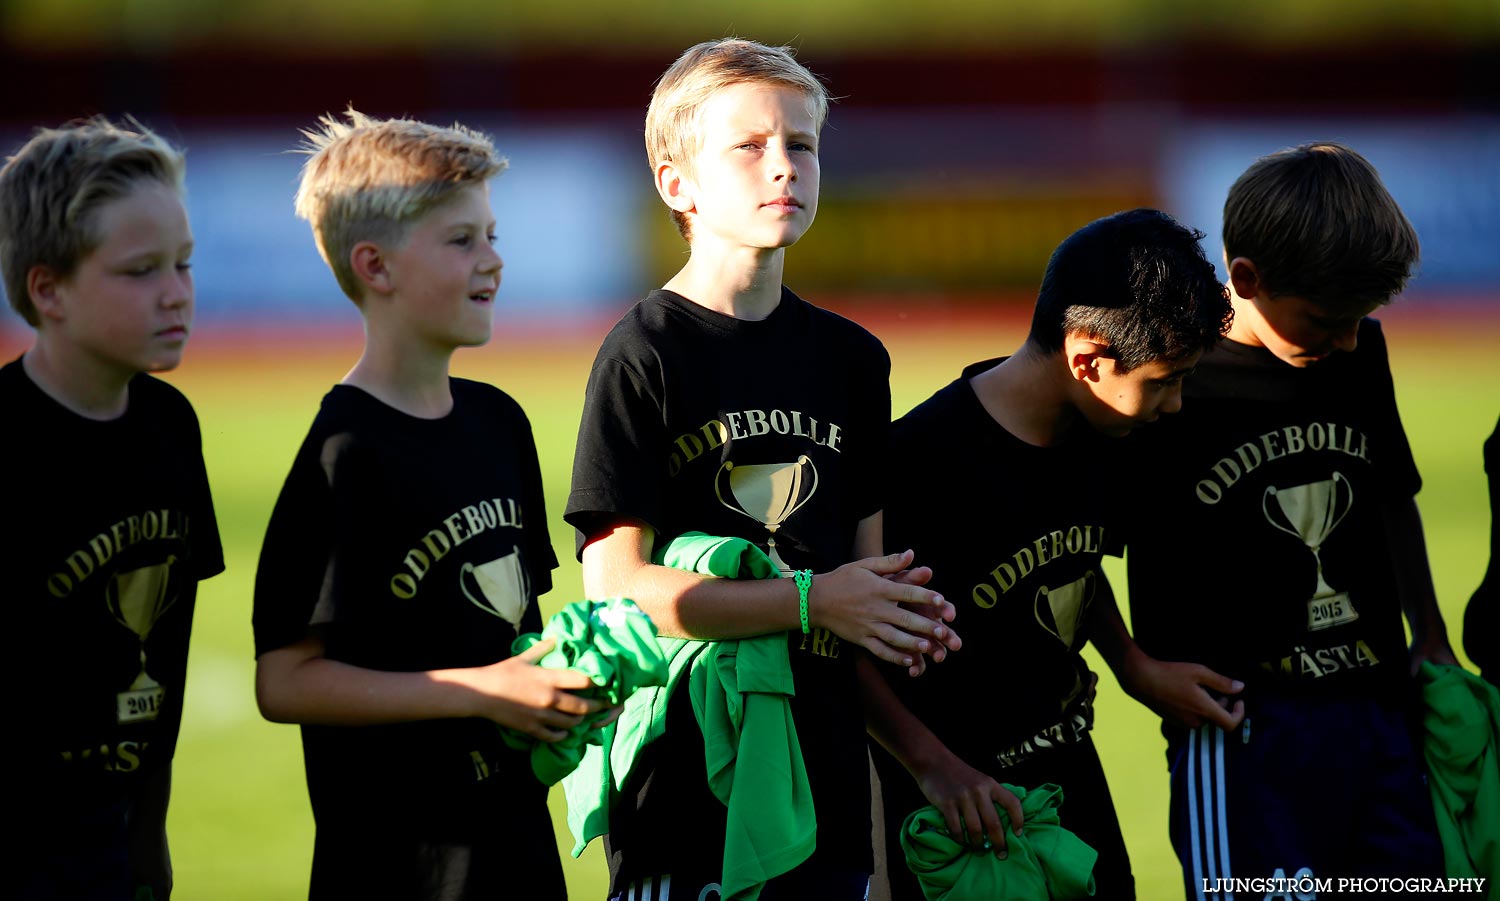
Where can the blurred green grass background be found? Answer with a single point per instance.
(240, 824)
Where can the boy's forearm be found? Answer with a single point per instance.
(150, 858)
(684, 604)
(1111, 637)
(689, 605)
(889, 721)
(1413, 576)
(296, 684)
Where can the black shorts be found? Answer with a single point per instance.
(1304, 789)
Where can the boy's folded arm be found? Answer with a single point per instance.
(298, 684)
(617, 563)
(857, 601)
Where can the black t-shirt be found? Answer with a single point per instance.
(1257, 543)
(409, 544)
(694, 420)
(1014, 534)
(1482, 617)
(109, 527)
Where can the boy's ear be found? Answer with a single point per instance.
(1244, 278)
(368, 262)
(43, 285)
(673, 187)
(1084, 357)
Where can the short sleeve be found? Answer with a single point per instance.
(207, 548)
(539, 552)
(1399, 477)
(294, 557)
(617, 462)
(869, 467)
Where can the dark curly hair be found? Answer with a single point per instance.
(1137, 281)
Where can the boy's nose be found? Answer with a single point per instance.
(779, 165)
(1346, 339)
(1173, 401)
(180, 290)
(494, 263)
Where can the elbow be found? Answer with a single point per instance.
(607, 572)
(282, 680)
(272, 706)
(272, 695)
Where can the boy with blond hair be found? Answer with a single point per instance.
(1276, 542)
(119, 525)
(409, 545)
(726, 404)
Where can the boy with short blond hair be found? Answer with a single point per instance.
(119, 523)
(1276, 542)
(409, 545)
(724, 403)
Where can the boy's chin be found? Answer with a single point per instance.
(474, 340)
(1302, 359)
(163, 362)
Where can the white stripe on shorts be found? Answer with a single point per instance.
(1208, 845)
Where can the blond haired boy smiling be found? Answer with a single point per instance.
(409, 545)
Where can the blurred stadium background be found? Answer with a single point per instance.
(968, 139)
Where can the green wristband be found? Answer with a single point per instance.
(803, 578)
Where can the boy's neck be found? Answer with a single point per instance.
(1027, 395)
(89, 387)
(1248, 319)
(414, 381)
(744, 283)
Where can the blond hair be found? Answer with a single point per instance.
(368, 179)
(673, 120)
(51, 187)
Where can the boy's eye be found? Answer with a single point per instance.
(462, 240)
(805, 148)
(142, 269)
(490, 238)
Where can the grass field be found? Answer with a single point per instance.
(240, 823)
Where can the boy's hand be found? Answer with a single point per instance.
(860, 603)
(945, 613)
(966, 798)
(518, 694)
(1183, 693)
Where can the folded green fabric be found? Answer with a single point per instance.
(739, 690)
(1462, 749)
(612, 641)
(1044, 861)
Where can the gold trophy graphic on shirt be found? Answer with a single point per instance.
(137, 599)
(1061, 610)
(768, 493)
(501, 586)
(1310, 513)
